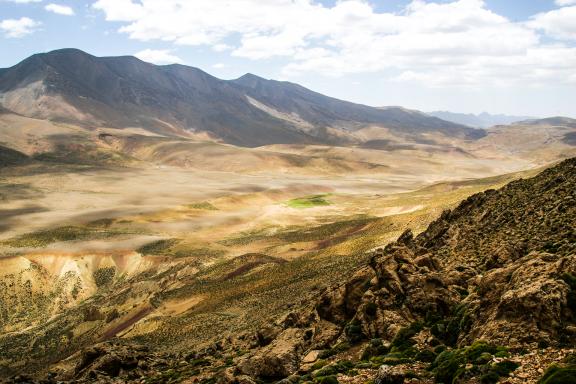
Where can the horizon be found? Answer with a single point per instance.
(462, 56)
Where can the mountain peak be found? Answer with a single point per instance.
(250, 76)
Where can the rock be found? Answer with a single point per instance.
(386, 375)
(267, 334)
(311, 357)
(279, 359)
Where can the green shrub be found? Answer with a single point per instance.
(319, 364)
(447, 366)
(489, 378)
(391, 359)
(338, 348)
(326, 380)
(504, 368)
(426, 355)
(403, 339)
(374, 348)
(353, 331)
(477, 349)
(558, 375)
(341, 366)
(370, 309)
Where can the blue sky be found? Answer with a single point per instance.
(500, 56)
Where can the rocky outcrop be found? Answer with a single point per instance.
(501, 267)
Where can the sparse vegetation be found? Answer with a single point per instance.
(68, 233)
(204, 205)
(158, 247)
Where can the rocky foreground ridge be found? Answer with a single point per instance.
(486, 294)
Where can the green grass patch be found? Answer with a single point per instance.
(308, 202)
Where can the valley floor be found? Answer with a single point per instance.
(174, 257)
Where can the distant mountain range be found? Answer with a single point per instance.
(557, 121)
(482, 120)
(72, 86)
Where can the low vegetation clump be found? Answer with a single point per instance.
(104, 276)
(562, 373)
(43, 238)
(308, 202)
(338, 348)
(473, 361)
(158, 247)
(204, 205)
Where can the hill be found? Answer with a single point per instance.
(557, 121)
(482, 120)
(72, 86)
(490, 278)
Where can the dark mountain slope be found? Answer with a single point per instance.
(326, 111)
(73, 86)
(124, 91)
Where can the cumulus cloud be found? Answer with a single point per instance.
(559, 23)
(459, 42)
(15, 28)
(120, 10)
(158, 56)
(59, 9)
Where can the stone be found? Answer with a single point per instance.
(386, 375)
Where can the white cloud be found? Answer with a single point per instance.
(559, 23)
(158, 56)
(454, 43)
(563, 3)
(221, 47)
(16, 28)
(24, 1)
(219, 66)
(60, 9)
(120, 10)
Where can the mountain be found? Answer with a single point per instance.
(482, 120)
(322, 111)
(72, 86)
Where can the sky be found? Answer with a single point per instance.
(500, 56)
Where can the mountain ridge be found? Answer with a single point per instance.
(73, 86)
